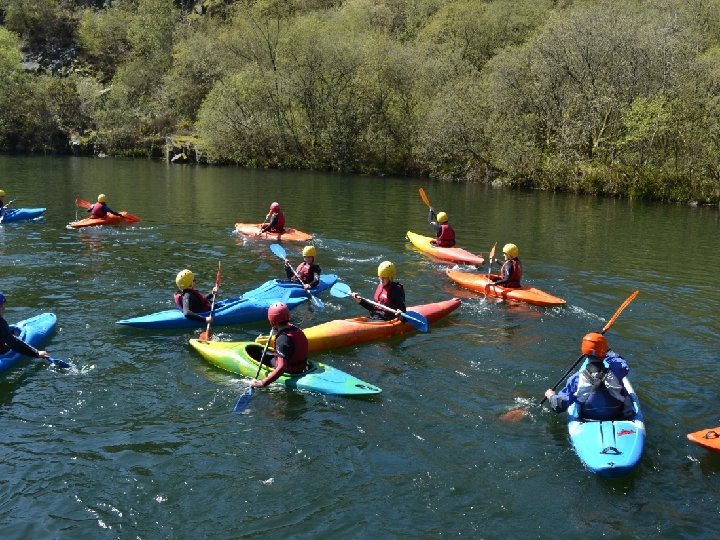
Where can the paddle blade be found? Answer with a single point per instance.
(340, 290)
(130, 217)
(82, 203)
(424, 197)
(243, 401)
(418, 320)
(514, 415)
(59, 363)
(205, 336)
(279, 251)
(317, 302)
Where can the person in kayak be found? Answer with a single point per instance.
(389, 293)
(9, 340)
(2, 202)
(100, 209)
(444, 233)
(307, 271)
(598, 389)
(189, 300)
(274, 221)
(511, 270)
(291, 346)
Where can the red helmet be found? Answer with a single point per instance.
(275, 207)
(594, 344)
(278, 313)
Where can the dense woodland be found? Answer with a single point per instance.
(606, 97)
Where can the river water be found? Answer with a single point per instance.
(139, 440)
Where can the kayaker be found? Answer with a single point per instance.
(511, 270)
(307, 271)
(444, 233)
(274, 221)
(389, 293)
(189, 300)
(2, 199)
(100, 209)
(291, 346)
(598, 388)
(9, 340)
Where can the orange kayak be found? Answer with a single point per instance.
(707, 438)
(110, 219)
(453, 254)
(251, 230)
(530, 295)
(344, 332)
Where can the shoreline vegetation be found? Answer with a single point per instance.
(597, 97)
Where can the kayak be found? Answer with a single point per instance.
(530, 295)
(290, 234)
(243, 358)
(345, 332)
(19, 214)
(251, 306)
(33, 331)
(608, 448)
(110, 219)
(449, 254)
(707, 438)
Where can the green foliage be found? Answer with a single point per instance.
(103, 37)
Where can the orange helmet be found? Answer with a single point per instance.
(594, 344)
(278, 313)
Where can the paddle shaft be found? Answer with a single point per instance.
(605, 329)
(280, 252)
(262, 356)
(206, 334)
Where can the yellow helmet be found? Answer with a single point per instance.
(102, 198)
(386, 269)
(309, 251)
(442, 217)
(184, 279)
(2, 193)
(511, 250)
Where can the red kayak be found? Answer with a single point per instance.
(110, 219)
(483, 284)
(252, 230)
(344, 332)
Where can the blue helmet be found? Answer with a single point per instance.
(2, 298)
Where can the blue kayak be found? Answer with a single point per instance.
(18, 214)
(33, 331)
(608, 448)
(251, 306)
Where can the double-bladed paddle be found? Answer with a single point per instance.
(206, 334)
(280, 252)
(418, 320)
(244, 400)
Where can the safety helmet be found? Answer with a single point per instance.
(309, 251)
(184, 279)
(511, 250)
(442, 217)
(594, 344)
(278, 313)
(102, 198)
(386, 269)
(2, 298)
(275, 207)
(2, 192)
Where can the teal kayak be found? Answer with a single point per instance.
(33, 331)
(243, 358)
(608, 448)
(251, 306)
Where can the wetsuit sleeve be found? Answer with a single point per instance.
(289, 273)
(271, 224)
(283, 349)
(16, 344)
(111, 211)
(397, 298)
(187, 308)
(365, 304)
(505, 273)
(432, 219)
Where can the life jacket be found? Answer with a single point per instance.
(515, 273)
(600, 393)
(306, 272)
(98, 210)
(297, 362)
(382, 294)
(446, 237)
(279, 223)
(200, 301)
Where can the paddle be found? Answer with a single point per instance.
(518, 413)
(86, 204)
(280, 252)
(418, 320)
(244, 400)
(206, 334)
(424, 197)
(3, 209)
(490, 258)
(58, 363)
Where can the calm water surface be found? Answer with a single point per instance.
(139, 442)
